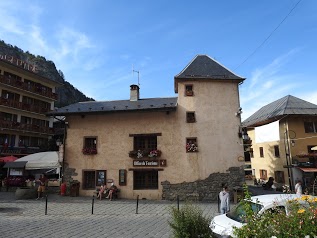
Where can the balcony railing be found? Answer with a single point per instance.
(25, 127)
(27, 87)
(138, 154)
(23, 106)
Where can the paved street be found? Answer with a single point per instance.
(71, 217)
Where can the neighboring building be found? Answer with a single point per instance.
(25, 98)
(282, 134)
(159, 148)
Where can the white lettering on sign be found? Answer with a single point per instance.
(20, 63)
(145, 163)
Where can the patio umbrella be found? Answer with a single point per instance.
(314, 148)
(6, 159)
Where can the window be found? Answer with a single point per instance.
(189, 90)
(263, 174)
(191, 145)
(90, 145)
(261, 152)
(279, 176)
(309, 150)
(89, 179)
(146, 179)
(310, 127)
(145, 142)
(276, 151)
(190, 117)
(122, 177)
(251, 153)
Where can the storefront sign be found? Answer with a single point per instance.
(146, 163)
(19, 63)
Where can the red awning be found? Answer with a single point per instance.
(308, 170)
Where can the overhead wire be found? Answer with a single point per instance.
(269, 36)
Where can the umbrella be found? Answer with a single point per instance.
(314, 148)
(6, 159)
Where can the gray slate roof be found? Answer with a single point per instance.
(149, 104)
(202, 66)
(288, 105)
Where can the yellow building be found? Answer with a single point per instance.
(159, 148)
(25, 98)
(282, 134)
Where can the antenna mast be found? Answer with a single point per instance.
(138, 75)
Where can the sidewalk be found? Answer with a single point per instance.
(72, 217)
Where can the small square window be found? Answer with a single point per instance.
(190, 117)
(189, 90)
(90, 145)
(191, 145)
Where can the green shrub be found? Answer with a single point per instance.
(189, 222)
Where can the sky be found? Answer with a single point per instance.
(98, 43)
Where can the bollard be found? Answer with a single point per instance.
(92, 205)
(137, 204)
(218, 202)
(46, 205)
(178, 202)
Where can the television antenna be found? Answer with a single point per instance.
(136, 71)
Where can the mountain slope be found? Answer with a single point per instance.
(67, 94)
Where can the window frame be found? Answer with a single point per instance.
(279, 178)
(147, 183)
(190, 117)
(310, 128)
(194, 141)
(263, 174)
(85, 185)
(277, 151)
(261, 150)
(189, 90)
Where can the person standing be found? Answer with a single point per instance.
(298, 188)
(42, 185)
(224, 198)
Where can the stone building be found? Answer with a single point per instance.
(159, 148)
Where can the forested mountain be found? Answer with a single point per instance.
(67, 94)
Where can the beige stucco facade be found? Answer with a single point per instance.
(293, 141)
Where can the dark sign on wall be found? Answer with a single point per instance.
(149, 163)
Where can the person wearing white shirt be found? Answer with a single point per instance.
(224, 200)
(298, 188)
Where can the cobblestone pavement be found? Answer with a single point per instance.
(72, 217)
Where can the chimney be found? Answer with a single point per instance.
(134, 92)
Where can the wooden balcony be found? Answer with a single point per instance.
(24, 86)
(25, 127)
(23, 106)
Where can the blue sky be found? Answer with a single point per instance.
(96, 42)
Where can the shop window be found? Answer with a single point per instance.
(190, 117)
(90, 145)
(310, 127)
(261, 152)
(279, 176)
(191, 145)
(263, 174)
(189, 90)
(276, 151)
(146, 179)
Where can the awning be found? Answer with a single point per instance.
(314, 148)
(41, 160)
(308, 170)
(15, 165)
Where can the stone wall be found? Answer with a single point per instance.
(204, 190)
(68, 173)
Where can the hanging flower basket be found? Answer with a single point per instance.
(138, 154)
(191, 147)
(89, 151)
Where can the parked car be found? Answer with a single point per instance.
(222, 225)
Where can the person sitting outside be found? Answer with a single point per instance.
(268, 185)
(113, 189)
(41, 189)
(102, 190)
